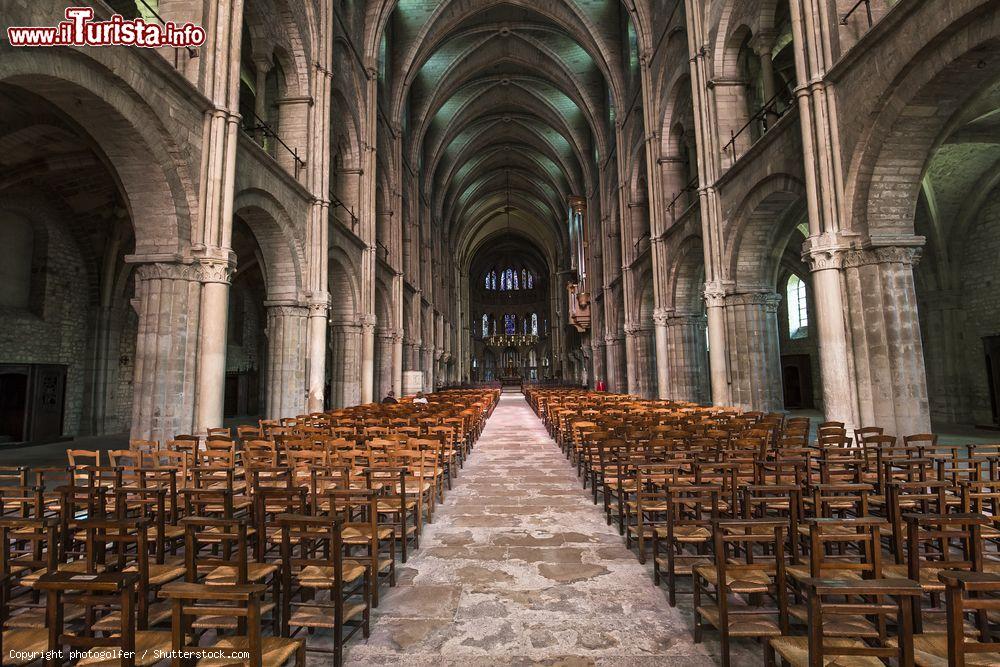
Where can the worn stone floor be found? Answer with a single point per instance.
(520, 568)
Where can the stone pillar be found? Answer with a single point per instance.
(718, 359)
(840, 397)
(316, 385)
(618, 375)
(598, 358)
(754, 355)
(687, 357)
(885, 331)
(642, 361)
(214, 274)
(397, 363)
(632, 364)
(287, 327)
(345, 355)
(762, 43)
(367, 358)
(661, 344)
(261, 68)
(943, 322)
(385, 339)
(167, 298)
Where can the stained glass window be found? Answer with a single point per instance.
(509, 324)
(534, 324)
(486, 325)
(517, 283)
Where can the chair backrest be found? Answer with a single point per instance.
(210, 543)
(103, 591)
(189, 601)
(870, 596)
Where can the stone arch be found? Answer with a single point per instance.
(272, 227)
(763, 223)
(127, 133)
(344, 294)
(925, 102)
(686, 277)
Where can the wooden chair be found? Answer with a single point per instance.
(685, 540)
(358, 512)
(313, 565)
(966, 593)
(100, 593)
(820, 648)
(749, 564)
(191, 604)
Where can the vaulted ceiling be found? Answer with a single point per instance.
(506, 109)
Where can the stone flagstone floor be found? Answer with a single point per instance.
(520, 568)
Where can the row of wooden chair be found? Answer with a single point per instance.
(232, 553)
(834, 549)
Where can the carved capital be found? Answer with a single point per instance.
(769, 300)
(661, 316)
(165, 271)
(687, 320)
(286, 310)
(715, 295)
(907, 256)
(214, 271)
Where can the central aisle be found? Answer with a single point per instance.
(520, 567)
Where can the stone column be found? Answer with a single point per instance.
(762, 43)
(385, 339)
(598, 358)
(754, 355)
(316, 385)
(661, 344)
(167, 298)
(261, 68)
(367, 358)
(345, 355)
(215, 275)
(687, 357)
(285, 376)
(618, 361)
(718, 359)
(885, 331)
(943, 321)
(840, 397)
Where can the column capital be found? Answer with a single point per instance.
(906, 255)
(165, 271)
(715, 295)
(763, 41)
(214, 270)
(681, 319)
(769, 300)
(280, 309)
(661, 316)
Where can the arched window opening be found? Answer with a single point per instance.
(486, 325)
(798, 307)
(534, 324)
(509, 324)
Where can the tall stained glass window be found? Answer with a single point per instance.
(534, 324)
(486, 325)
(509, 324)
